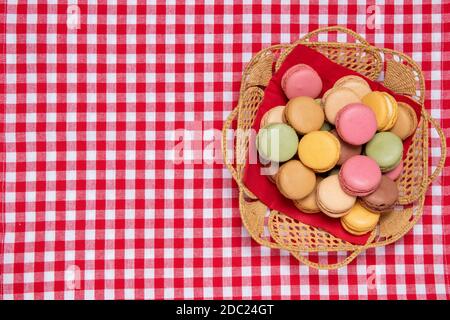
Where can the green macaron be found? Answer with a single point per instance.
(326, 127)
(277, 142)
(386, 149)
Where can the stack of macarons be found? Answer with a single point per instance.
(338, 154)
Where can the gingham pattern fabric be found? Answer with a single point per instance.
(94, 205)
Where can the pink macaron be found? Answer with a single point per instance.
(301, 80)
(360, 176)
(395, 173)
(356, 123)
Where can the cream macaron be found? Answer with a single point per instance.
(335, 99)
(331, 198)
(357, 84)
(273, 115)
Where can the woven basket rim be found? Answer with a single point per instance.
(425, 119)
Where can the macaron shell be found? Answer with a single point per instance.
(379, 105)
(386, 149)
(357, 84)
(274, 115)
(277, 142)
(350, 230)
(309, 204)
(304, 114)
(301, 80)
(346, 150)
(331, 199)
(392, 111)
(406, 122)
(360, 220)
(319, 150)
(384, 198)
(335, 99)
(359, 176)
(356, 123)
(294, 180)
(395, 173)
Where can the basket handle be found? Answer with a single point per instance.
(333, 266)
(227, 126)
(434, 124)
(349, 32)
(234, 174)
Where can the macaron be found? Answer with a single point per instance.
(395, 173)
(277, 142)
(383, 198)
(326, 127)
(406, 122)
(347, 150)
(386, 149)
(319, 150)
(385, 108)
(359, 220)
(294, 180)
(335, 99)
(359, 176)
(357, 84)
(356, 123)
(309, 204)
(304, 114)
(331, 199)
(273, 115)
(301, 80)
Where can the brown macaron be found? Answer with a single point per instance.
(304, 114)
(294, 180)
(347, 150)
(406, 122)
(383, 199)
(309, 204)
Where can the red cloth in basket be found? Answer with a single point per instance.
(259, 184)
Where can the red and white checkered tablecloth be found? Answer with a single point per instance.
(94, 205)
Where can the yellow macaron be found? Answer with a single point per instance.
(392, 111)
(359, 220)
(385, 108)
(319, 150)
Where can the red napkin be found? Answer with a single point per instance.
(259, 184)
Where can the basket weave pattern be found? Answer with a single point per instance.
(397, 72)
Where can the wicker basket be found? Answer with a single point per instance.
(397, 72)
